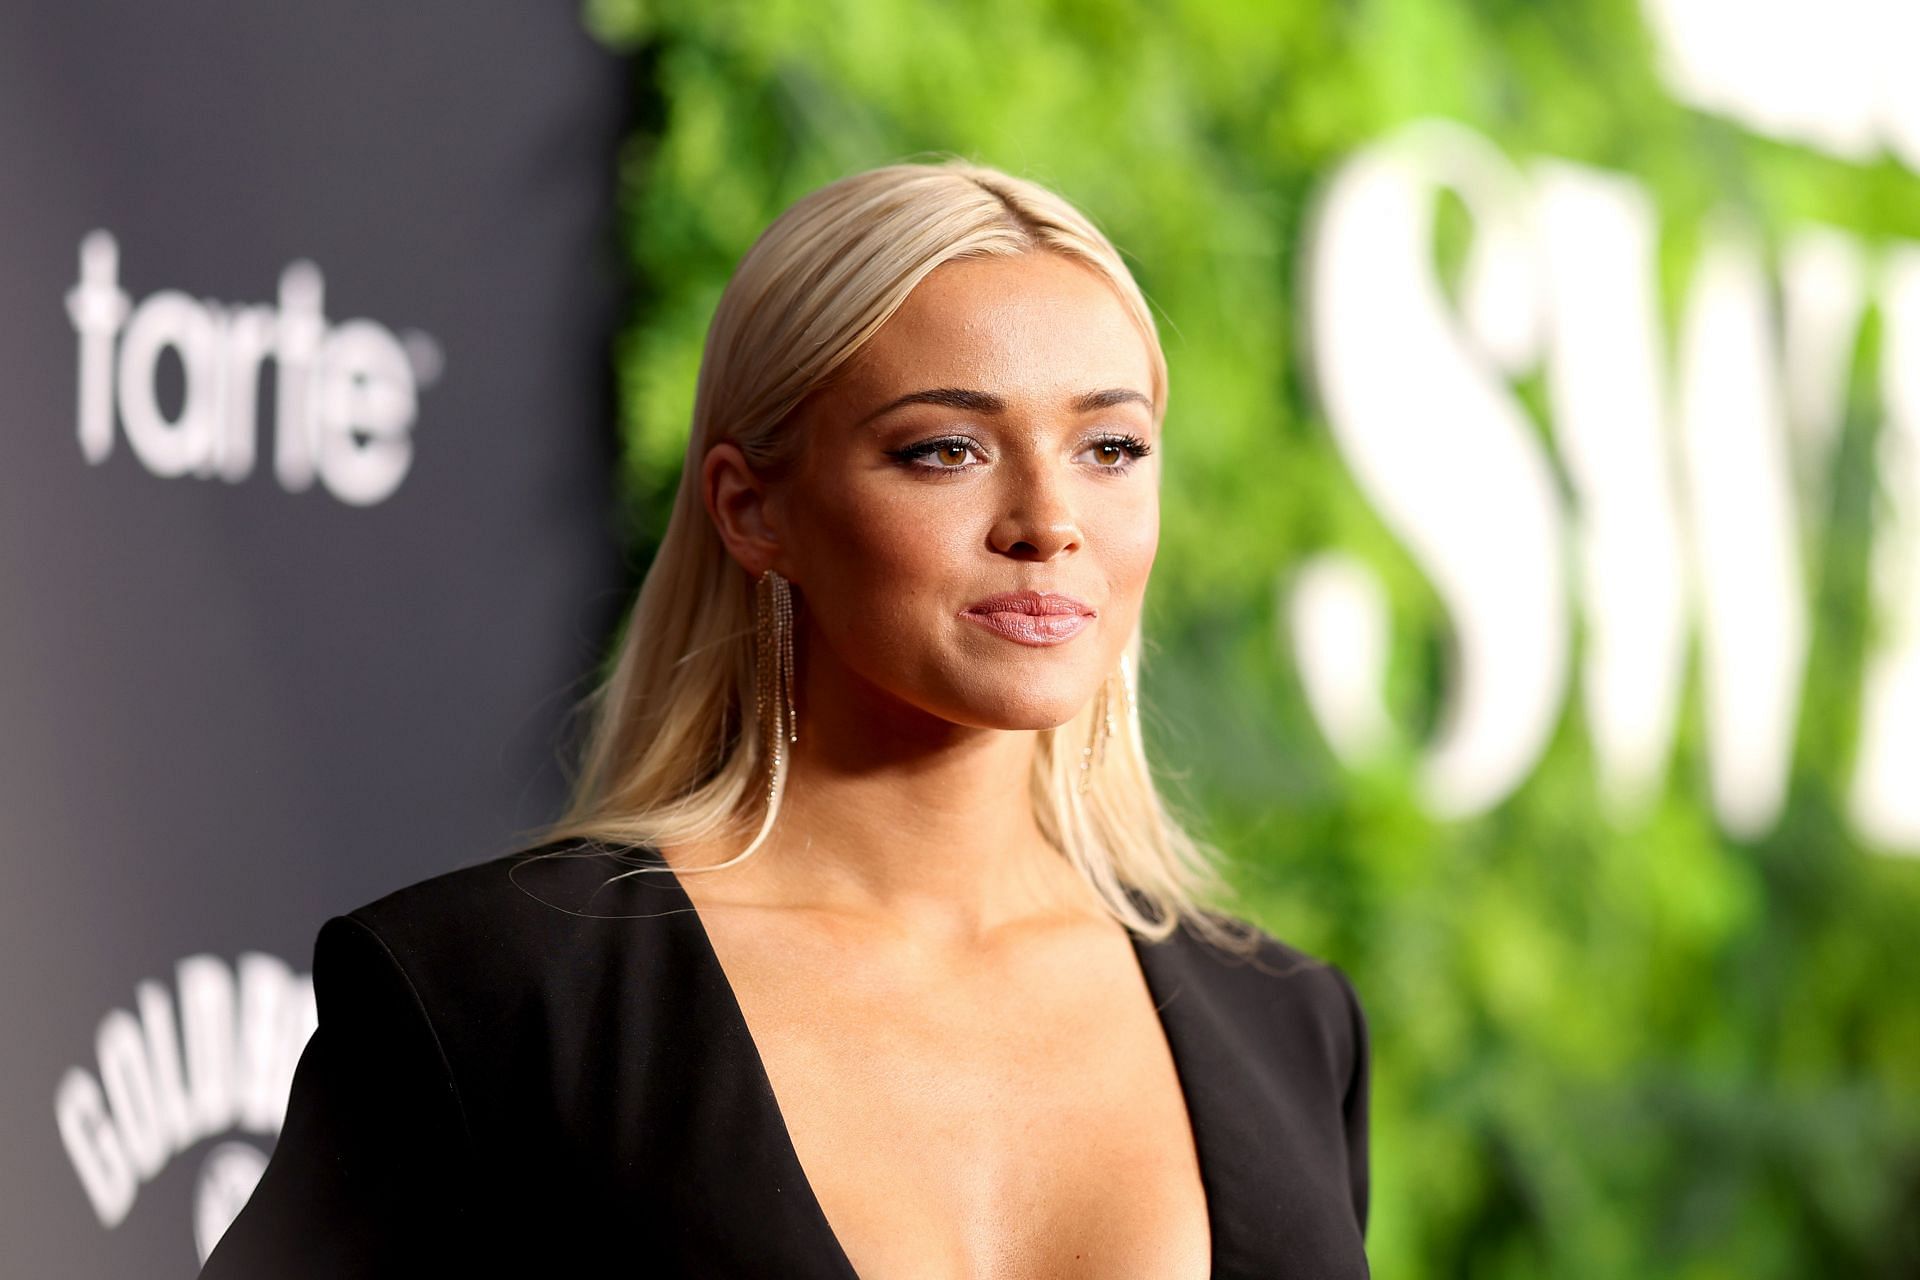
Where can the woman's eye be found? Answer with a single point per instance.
(1118, 453)
(951, 454)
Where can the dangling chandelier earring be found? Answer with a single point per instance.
(1102, 727)
(773, 675)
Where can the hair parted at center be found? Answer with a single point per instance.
(673, 751)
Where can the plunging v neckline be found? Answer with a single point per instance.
(1162, 986)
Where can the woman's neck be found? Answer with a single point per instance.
(906, 819)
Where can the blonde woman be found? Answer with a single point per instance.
(865, 947)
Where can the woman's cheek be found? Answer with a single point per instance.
(888, 563)
(905, 536)
(1134, 537)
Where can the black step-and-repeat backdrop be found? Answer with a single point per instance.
(305, 543)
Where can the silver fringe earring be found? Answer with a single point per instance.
(1102, 728)
(773, 675)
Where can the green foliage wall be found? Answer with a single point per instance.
(1600, 1052)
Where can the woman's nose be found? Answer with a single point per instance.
(1039, 522)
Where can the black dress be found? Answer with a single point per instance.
(521, 1069)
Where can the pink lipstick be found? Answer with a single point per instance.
(1031, 617)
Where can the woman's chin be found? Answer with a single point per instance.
(1026, 708)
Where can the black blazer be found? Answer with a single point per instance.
(521, 1069)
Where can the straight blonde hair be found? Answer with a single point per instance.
(673, 751)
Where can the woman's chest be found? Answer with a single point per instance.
(618, 1108)
(1021, 1118)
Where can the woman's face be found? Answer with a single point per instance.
(996, 436)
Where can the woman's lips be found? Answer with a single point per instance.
(1031, 617)
(1028, 628)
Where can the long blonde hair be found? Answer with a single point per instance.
(673, 752)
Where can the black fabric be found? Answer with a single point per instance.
(527, 1067)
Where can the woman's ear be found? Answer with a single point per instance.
(741, 505)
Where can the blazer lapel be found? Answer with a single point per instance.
(1216, 1084)
(1275, 1197)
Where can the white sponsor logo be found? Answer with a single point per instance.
(214, 1055)
(1836, 74)
(1684, 499)
(227, 1178)
(345, 401)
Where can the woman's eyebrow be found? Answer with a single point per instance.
(1109, 398)
(985, 402)
(946, 397)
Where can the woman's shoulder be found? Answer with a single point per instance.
(540, 919)
(538, 889)
(1264, 981)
